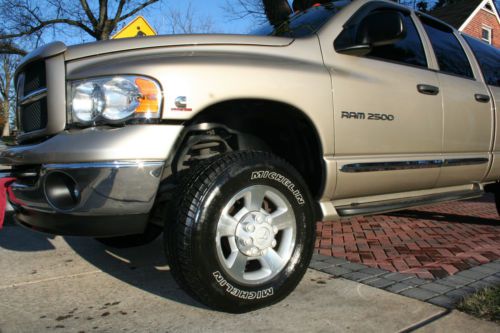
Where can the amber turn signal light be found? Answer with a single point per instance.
(149, 100)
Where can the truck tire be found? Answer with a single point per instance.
(121, 242)
(242, 234)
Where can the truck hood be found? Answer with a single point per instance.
(127, 44)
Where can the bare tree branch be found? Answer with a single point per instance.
(8, 64)
(9, 48)
(44, 24)
(103, 12)
(119, 10)
(137, 9)
(88, 12)
(241, 9)
(187, 21)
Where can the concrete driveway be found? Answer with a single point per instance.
(78, 285)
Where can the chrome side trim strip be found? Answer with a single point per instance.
(105, 165)
(390, 166)
(393, 205)
(33, 96)
(465, 161)
(410, 165)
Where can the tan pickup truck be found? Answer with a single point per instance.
(236, 145)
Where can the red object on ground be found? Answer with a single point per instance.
(4, 187)
(431, 242)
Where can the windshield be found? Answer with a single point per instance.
(304, 23)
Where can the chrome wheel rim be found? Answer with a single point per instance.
(256, 235)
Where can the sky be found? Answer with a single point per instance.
(214, 9)
(155, 15)
(208, 8)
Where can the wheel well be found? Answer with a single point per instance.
(285, 130)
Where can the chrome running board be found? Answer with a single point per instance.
(380, 207)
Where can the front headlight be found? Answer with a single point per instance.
(114, 99)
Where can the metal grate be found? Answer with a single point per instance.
(35, 77)
(32, 111)
(34, 116)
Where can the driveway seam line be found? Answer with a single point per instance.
(426, 322)
(22, 284)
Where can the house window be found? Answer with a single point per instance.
(486, 35)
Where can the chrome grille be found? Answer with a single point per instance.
(32, 98)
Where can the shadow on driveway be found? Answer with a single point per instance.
(143, 267)
(16, 238)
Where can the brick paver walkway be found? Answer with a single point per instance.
(431, 242)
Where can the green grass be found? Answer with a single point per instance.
(484, 304)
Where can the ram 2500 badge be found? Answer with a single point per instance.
(235, 146)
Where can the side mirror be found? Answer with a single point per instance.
(376, 29)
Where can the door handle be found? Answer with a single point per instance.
(427, 89)
(481, 98)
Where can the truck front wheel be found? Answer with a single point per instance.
(243, 230)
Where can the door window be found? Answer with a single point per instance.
(450, 55)
(488, 58)
(408, 50)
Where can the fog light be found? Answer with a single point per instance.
(61, 191)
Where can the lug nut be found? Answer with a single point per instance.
(269, 219)
(250, 228)
(254, 251)
(260, 219)
(273, 244)
(245, 241)
(275, 230)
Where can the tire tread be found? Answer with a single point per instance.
(179, 233)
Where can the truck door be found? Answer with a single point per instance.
(387, 111)
(468, 109)
(488, 59)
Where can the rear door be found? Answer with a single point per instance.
(488, 58)
(468, 109)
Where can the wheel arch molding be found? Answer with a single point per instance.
(271, 126)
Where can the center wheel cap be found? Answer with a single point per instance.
(255, 234)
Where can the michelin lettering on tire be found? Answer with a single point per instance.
(282, 180)
(236, 292)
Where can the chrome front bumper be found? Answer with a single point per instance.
(91, 199)
(115, 188)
